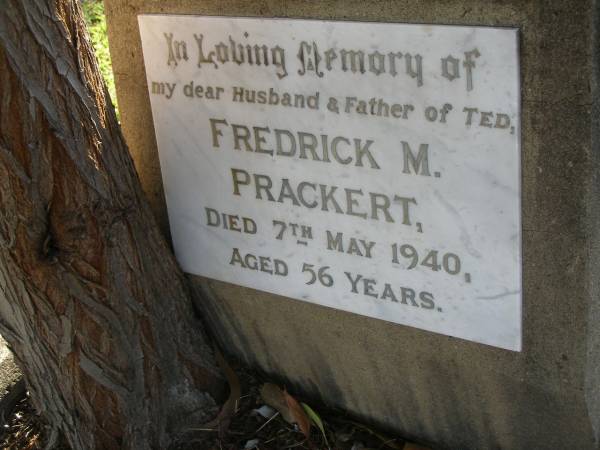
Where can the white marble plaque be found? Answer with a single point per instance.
(368, 167)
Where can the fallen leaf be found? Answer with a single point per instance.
(298, 414)
(314, 417)
(273, 396)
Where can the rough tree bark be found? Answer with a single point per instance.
(91, 301)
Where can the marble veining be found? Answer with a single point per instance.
(368, 167)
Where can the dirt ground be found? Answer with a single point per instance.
(259, 419)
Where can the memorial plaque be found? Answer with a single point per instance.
(368, 167)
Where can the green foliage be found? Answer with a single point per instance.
(314, 418)
(93, 11)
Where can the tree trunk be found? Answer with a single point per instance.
(92, 302)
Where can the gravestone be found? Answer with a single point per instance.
(401, 203)
(388, 205)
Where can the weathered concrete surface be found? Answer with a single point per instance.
(438, 389)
